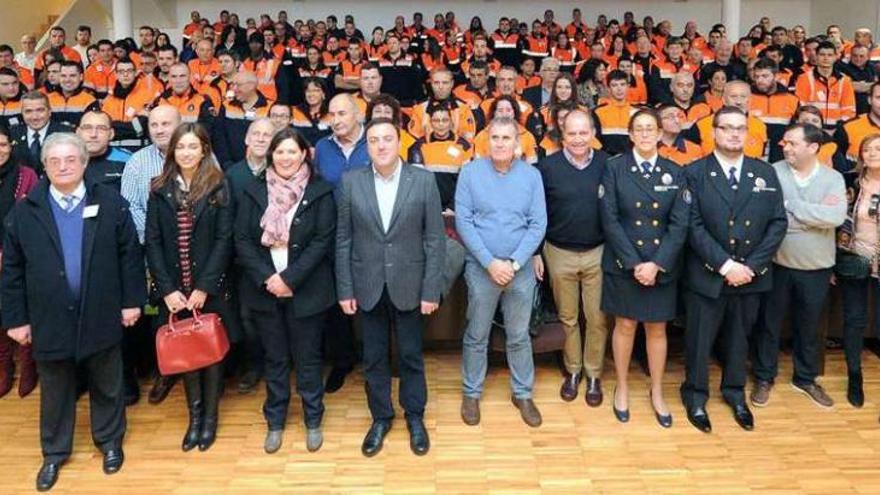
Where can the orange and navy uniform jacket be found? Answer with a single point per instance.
(756, 140)
(833, 96)
(573, 28)
(312, 127)
(682, 152)
(266, 70)
(775, 111)
(714, 102)
(373, 53)
(230, 128)
(219, 91)
(637, 94)
(526, 142)
(849, 136)
(402, 78)
(535, 47)
(469, 95)
(696, 111)
(319, 72)
(200, 75)
(124, 106)
(406, 142)
(661, 75)
(614, 120)
(464, 124)
(10, 110)
(25, 76)
(68, 52)
(452, 56)
(493, 64)
(150, 84)
(506, 48)
(193, 106)
(69, 109)
(100, 77)
(444, 157)
(525, 111)
(333, 59)
(523, 83)
(567, 57)
(350, 71)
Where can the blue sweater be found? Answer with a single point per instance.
(500, 216)
(70, 230)
(331, 161)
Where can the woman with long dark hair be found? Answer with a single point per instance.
(15, 182)
(189, 248)
(285, 230)
(310, 117)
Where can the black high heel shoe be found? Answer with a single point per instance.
(664, 420)
(622, 416)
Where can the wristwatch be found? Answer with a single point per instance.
(515, 265)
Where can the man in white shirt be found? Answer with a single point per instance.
(27, 57)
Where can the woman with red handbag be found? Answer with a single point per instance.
(189, 248)
(284, 233)
(15, 182)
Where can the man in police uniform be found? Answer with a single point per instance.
(737, 223)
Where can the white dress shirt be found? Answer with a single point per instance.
(727, 164)
(386, 193)
(640, 160)
(42, 132)
(78, 194)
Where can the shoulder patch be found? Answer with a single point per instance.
(686, 195)
(601, 191)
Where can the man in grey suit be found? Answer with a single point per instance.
(390, 249)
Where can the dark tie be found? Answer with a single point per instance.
(646, 168)
(36, 148)
(731, 177)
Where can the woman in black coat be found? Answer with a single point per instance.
(284, 233)
(189, 248)
(645, 217)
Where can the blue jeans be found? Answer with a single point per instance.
(516, 304)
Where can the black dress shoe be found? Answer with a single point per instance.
(161, 388)
(569, 389)
(665, 420)
(113, 460)
(418, 436)
(854, 392)
(375, 437)
(336, 379)
(594, 392)
(248, 382)
(743, 416)
(699, 419)
(622, 416)
(209, 433)
(47, 476)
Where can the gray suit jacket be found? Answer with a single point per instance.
(408, 259)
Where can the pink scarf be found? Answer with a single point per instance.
(283, 195)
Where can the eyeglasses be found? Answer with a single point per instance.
(733, 128)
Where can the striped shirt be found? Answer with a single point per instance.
(141, 168)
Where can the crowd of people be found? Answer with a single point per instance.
(296, 178)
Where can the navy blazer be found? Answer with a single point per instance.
(746, 225)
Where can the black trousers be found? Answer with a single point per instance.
(729, 318)
(855, 317)
(251, 355)
(408, 326)
(58, 381)
(802, 294)
(289, 340)
(339, 341)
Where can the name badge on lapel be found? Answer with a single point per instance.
(90, 211)
(667, 184)
(761, 186)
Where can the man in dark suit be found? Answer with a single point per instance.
(390, 249)
(28, 138)
(73, 276)
(737, 223)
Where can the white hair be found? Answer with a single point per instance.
(62, 138)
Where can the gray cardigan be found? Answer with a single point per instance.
(809, 242)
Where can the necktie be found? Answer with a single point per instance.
(646, 168)
(68, 202)
(36, 147)
(731, 177)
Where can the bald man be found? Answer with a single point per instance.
(235, 116)
(340, 152)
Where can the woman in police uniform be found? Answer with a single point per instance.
(645, 215)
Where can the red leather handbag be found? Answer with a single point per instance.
(191, 344)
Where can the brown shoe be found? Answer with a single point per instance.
(569, 389)
(27, 379)
(528, 410)
(470, 411)
(760, 395)
(594, 392)
(814, 391)
(7, 367)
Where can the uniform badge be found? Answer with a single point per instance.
(601, 191)
(750, 175)
(666, 179)
(713, 174)
(760, 183)
(686, 196)
(633, 169)
(190, 108)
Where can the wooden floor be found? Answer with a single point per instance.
(796, 448)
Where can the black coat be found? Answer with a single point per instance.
(18, 136)
(644, 219)
(309, 270)
(746, 225)
(210, 247)
(34, 287)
